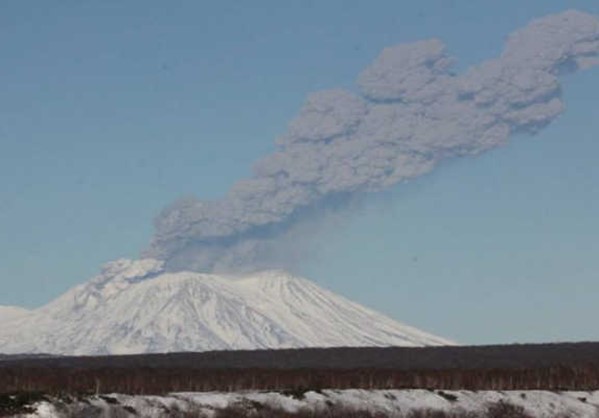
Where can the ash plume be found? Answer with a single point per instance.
(410, 113)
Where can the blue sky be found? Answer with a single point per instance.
(110, 110)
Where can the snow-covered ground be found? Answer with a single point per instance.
(391, 403)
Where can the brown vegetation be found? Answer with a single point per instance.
(548, 367)
(158, 381)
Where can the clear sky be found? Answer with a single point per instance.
(110, 110)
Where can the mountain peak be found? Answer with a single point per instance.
(126, 270)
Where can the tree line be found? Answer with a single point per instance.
(146, 381)
(512, 367)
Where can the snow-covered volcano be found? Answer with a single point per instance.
(136, 307)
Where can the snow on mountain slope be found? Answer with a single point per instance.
(136, 307)
(11, 312)
(288, 297)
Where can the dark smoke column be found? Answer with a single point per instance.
(410, 114)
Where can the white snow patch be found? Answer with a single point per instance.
(393, 403)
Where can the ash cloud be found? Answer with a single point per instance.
(410, 113)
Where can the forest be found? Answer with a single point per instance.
(566, 366)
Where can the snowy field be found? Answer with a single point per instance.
(381, 403)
